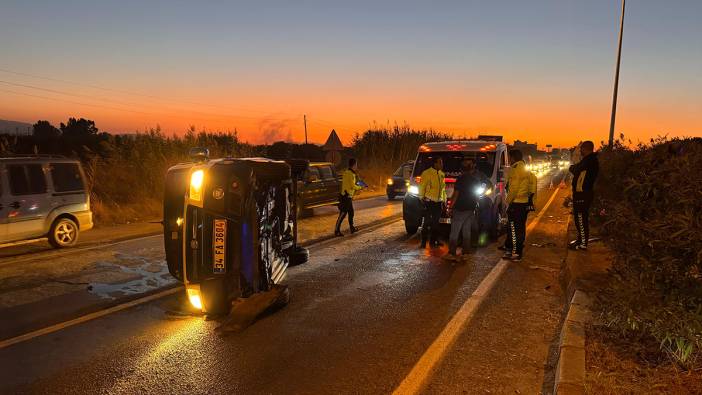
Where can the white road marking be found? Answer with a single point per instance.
(419, 376)
(87, 317)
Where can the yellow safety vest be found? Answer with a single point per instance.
(348, 183)
(432, 185)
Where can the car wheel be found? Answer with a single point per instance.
(391, 196)
(496, 225)
(299, 255)
(63, 233)
(411, 227)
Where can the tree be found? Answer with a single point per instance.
(79, 128)
(44, 130)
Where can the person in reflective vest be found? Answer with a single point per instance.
(521, 188)
(432, 193)
(349, 187)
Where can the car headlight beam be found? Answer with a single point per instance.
(196, 181)
(413, 190)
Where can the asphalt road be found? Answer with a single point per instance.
(363, 311)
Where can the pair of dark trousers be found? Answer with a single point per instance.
(345, 208)
(430, 228)
(517, 217)
(581, 215)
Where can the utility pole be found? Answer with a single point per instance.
(304, 117)
(616, 78)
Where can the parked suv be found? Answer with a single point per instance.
(320, 186)
(43, 197)
(491, 159)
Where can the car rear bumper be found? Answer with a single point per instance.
(85, 220)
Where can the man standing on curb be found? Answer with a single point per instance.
(521, 188)
(349, 186)
(432, 192)
(462, 205)
(584, 176)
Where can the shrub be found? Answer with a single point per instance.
(653, 199)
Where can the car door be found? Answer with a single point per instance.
(313, 186)
(331, 184)
(29, 200)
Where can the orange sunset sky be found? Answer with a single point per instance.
(540, 71)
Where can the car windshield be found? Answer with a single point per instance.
(484, 161)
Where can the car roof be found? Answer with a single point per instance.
(462, 146)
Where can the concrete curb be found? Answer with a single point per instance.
(570, 370)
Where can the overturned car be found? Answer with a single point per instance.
(230, 228)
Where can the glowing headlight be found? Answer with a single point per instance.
(196, 184)
(413, 190)
(179, 221)
(194, 298)
(480, 190)
(390, 182)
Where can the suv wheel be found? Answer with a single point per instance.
(411, 227)
(63, 233)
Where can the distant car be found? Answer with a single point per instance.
(397, 184)
(320, 186)
(491, 159)
(43, 197)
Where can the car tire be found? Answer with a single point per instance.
(391, 196)
(63, 233)
(496, 225)
(215, 298)
(411, 227)
(299, 255)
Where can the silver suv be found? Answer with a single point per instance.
(43, 197)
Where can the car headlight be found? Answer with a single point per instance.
(194, 297)
(413, 190)
(480, 190)
(196, 184)
(390, 182)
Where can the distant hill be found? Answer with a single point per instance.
(14, 127)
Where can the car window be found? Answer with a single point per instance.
(407, 171)
(326, 172)
(66, 177)
(26, 179)
(312, 173)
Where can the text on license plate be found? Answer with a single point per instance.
(444, 220)
(219, 234)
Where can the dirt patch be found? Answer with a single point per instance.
(625, 366)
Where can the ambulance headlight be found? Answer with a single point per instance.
(483, 190)
(390, 182)
(196, 180)
(413, 190)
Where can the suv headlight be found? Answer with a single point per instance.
(413, 190)
(196, 180)
(390, 182)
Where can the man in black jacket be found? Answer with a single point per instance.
(584, 176)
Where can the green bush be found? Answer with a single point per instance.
(652, 200)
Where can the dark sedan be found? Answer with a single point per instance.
(397, 184)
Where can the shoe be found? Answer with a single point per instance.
(507, 255)
(580, 248)
(338, 234)
(573, 245)
(353, 229)
(516, 258)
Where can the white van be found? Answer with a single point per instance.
(491, 158)
(43, 196)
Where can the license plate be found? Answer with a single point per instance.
(219, 246)
(444, 220)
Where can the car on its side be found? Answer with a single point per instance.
(320, 186)
(492, 160)
(398, 183)
(43, 196)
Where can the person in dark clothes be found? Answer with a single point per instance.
(584, 176)
(462, 206)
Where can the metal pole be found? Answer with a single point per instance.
(305, 118)
(616, 78)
